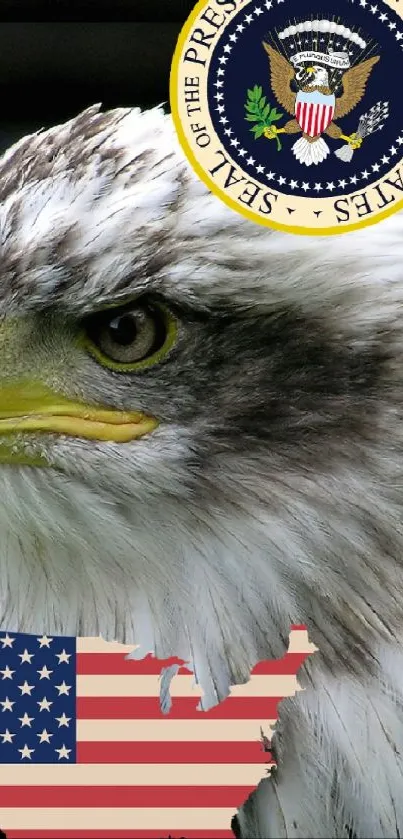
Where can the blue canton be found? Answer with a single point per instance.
(37, 699)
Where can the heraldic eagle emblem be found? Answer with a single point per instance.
(318, 87)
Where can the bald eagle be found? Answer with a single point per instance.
(201, 443)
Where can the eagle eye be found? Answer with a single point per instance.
(130, 337)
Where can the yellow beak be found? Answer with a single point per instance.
(310, 69)
(31, 407)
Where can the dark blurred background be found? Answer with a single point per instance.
(58, 57)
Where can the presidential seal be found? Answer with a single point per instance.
(292, 114)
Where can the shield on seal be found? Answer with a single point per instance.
(314, 111)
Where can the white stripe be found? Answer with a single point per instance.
(134, 775)
(132, 685)
(99, 645)
(168, 730)
(299, 643)
(106, 818)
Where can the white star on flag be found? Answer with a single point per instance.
(7, 704)
(44, 641)
(63, 657)
(44, 736)
(7, 641)
(63, 688)
(26, 752)
(25, 720)
(7, 736)
(44, 673)
(25, 657)
(26, 688)
(63, 752)
(63, 720)
(7, 673)
(44, 704)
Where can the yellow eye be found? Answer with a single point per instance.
(130, 337)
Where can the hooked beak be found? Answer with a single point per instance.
(29, 406)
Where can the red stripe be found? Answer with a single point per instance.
(148, 708)
(172, 752)
(119, 834)
(108, 664)
(287, 666)
(113, 664)
(136, 796)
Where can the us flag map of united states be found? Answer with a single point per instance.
(86, 752)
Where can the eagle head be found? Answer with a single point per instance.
(200, 418)
(318, 76)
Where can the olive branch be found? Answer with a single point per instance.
(260, 112)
